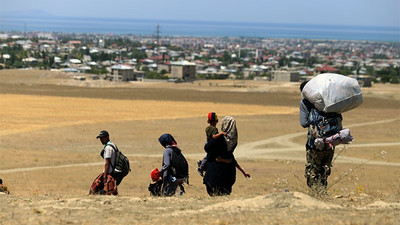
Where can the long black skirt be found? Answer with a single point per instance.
(220, 177)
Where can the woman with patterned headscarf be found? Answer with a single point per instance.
(221, 169)
(229, 127)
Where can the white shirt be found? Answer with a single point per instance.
(109, 153)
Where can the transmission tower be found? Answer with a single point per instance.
(158, 34)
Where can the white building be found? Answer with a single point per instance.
(45, 35)
(4, 36)
(29, 60)
(74, 61)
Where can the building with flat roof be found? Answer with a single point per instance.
(123, 72)
(285, 76)
(363, 80)
(183, 70)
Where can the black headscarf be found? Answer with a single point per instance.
(166, 140)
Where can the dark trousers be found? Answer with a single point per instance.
(318, 168)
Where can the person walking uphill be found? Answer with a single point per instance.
(231, 137)
(319, 161)
(324, 98)
(211, 133)
(221, 164)
(175, 169)
(116, 167)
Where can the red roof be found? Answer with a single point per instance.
(75, 42)
(326, 69)
(199, 62)
(159, 57)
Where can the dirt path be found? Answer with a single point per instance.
(284, 144)
(284, 149)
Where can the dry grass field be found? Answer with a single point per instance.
(50, 156)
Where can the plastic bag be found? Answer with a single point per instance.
(330, 92)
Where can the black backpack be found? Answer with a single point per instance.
(121, 167)
(179, 165)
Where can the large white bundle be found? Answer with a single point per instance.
(330, 92)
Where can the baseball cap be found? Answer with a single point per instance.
(103, 133)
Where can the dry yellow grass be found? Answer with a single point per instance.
(45, 130)
(24, 113)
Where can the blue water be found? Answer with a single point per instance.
(198, 28)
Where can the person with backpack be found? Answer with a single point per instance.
(116, 167)
(319, 160)
(175, 169)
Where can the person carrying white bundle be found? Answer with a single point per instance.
(324, 98)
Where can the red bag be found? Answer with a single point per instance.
(99, 187)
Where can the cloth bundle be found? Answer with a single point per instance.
(330, 92)
(343, 137)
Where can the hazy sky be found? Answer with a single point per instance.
(330, 12)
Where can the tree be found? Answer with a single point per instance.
(163, 72)
(311, 61)
(96, 70)
(227, 58)
(385, 79)
(154, 75)
(18, 64)
(136, 54)
(283, 61)
(394, 80)
(345, 71)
